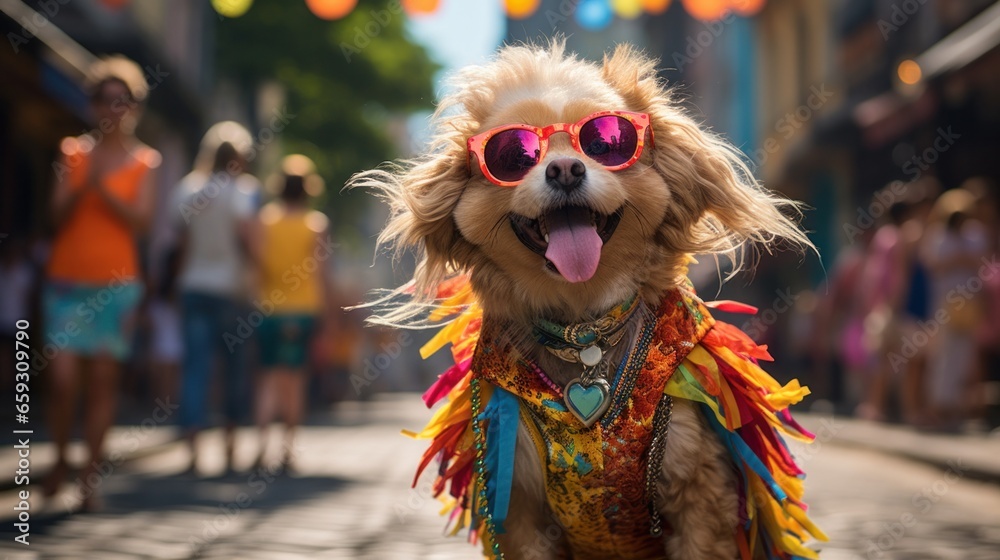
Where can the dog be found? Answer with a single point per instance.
(555, 190)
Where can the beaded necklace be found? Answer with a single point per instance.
(589, 396)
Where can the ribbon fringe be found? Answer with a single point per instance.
(745, 406)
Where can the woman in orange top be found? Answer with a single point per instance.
(101, 201)
(294, 258)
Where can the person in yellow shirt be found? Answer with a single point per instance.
(295, 254)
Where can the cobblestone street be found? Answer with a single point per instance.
(350, 498)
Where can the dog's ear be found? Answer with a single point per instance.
(717, 206)
(421, 197)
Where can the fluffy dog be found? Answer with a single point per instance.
(564, 233)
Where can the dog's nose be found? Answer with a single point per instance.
(565, 174)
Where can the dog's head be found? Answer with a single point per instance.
(566, 230)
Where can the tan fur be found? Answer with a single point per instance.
(692, 193)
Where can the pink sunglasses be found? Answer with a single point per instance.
(507, 153)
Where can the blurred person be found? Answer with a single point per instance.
(217, 229)
(167, 346)
(898, 302)
(225, 131)
(294, 261)
(343, 336)
(17, 278)
(986, 378)
(953, 249)
(883, 279)
(915, 309)
(101, 202)
(838, 351)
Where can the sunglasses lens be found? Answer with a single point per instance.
(510, 154)
(611, 140)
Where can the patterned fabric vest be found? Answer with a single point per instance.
(595, 478)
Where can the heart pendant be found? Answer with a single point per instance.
(587, 402)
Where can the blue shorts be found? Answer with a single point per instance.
(91, 320)
(284, 340)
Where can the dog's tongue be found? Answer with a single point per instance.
(574, 245)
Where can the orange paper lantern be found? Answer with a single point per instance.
(655, 6)
(421, 7)
(747, 7)
(520, 9)
(331, 9)
(706, 10)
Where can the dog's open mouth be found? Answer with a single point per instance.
(570, 238)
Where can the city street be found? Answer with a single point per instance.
(218, 210)
(350, 498)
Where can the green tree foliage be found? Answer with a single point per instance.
(343, 79)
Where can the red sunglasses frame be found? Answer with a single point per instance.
(477, 143)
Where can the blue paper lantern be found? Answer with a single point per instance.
(594, 15)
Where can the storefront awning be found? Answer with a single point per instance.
(972, 40)
(74, 57)
(888, 116)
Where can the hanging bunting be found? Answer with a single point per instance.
(231, 8)
(707, 10)
(594, 15)
(655, 7)
(627, 9)
(331, 9)
(421, 7)
(520, 9)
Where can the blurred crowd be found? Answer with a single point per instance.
(908, 326)
(234, 319)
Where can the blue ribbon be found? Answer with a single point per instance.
(501, 437)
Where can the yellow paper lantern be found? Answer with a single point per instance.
(421, 7)
(231, 8)
(747, 7)
(520, 9)
(627, 9)
(655, 6)
(706, 10)
(331, 9)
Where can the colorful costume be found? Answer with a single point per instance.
(595, 477)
